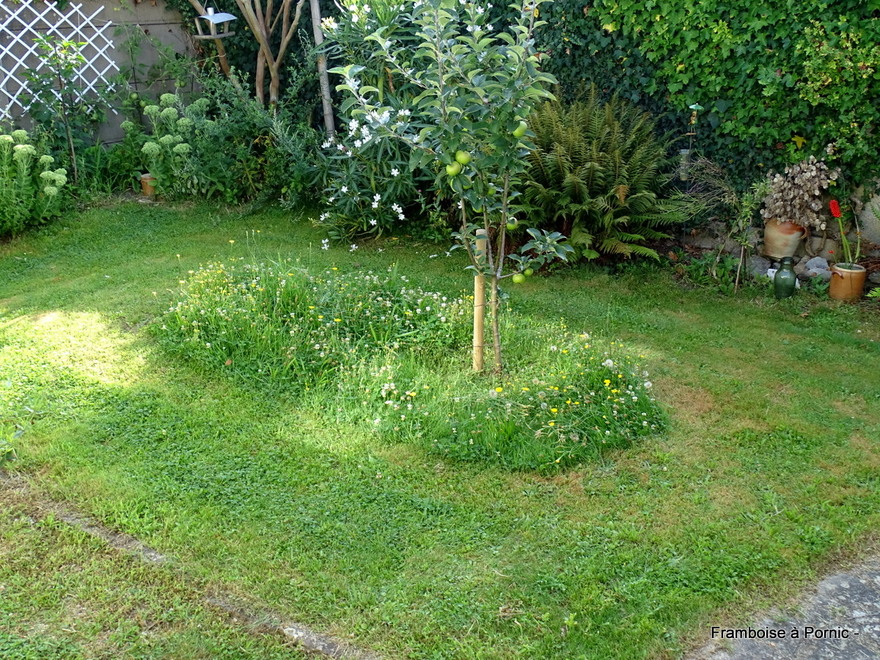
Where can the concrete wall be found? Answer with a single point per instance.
(155, 27)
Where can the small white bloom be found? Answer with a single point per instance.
(608, 363)
(394, 171)
(353, 248)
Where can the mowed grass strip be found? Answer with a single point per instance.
(66, 594)
(768, 473)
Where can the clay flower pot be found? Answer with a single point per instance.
(847, 281)
(781, 239)
(148, 185)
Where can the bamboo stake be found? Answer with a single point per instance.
(479, 300)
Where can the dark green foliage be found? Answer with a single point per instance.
(764, 72)
(596, 175)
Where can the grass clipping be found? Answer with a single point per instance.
(390, 355)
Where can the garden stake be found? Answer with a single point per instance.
(479, 301)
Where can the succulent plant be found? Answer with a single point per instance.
(796, 195)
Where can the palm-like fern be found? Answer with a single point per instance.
(596, 176)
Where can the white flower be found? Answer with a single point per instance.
(344, 189)
(377, 197)
(373, 222)
(325, 244)
(375, 205)
(394, 171)
(353, 248)
(608, 363)
(648, 384)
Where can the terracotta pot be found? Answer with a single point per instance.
(148, 185)
(847, 281)
(781, 239)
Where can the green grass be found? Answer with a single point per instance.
(67, 595)
(767, 474)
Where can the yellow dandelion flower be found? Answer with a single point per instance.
(554, 410)
(499, 389)
(551, 423)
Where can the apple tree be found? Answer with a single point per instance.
(475, 85)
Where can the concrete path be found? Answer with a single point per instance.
(839, 619)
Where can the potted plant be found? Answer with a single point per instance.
(794, 205)
(847, 276)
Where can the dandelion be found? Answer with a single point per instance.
(608, 363)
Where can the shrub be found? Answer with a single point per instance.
(223, 145)
(281, 325)
(370, 187)
(30, 189)
(596, 175)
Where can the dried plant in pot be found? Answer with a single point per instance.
(795, 205)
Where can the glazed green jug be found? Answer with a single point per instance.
(785, 280)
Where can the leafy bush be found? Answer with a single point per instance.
(596, 175)
(30, 189)
(369, 185)
(223, 145)
(276, 323)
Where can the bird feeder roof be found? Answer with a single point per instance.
(218, 18)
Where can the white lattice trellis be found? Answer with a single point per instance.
(21, 23)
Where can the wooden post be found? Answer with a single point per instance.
(479, 300)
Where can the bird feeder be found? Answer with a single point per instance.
(217, 25)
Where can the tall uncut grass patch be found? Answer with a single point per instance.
(281, 325)
(392, 356)
(568, 401)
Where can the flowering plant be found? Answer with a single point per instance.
(29, 186)
(850, 257)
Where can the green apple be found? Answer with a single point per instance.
(520, 130)
(453, 169)
(528, 272)
(462, 157)
(519, 278)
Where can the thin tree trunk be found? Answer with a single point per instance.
(322, 69)
(260, 78)
(496, 327)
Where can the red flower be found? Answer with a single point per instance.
(834, 207)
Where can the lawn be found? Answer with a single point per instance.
(768, 473)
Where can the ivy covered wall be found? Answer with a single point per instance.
(778, 80)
